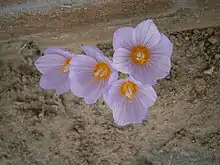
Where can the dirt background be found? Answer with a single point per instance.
(41, 128)
(6, 2)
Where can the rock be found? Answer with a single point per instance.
(201, 45)
(210, 31)
(111, 50)
(213, 40)
(187, 38)
(66, 6)
(200, 85)
(108, 53)
(172, 38)
(209, 71)
(168, 77)
(196, 31)
(217, 56)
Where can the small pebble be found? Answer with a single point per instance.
(196, 32)
(213, 40)
(168, 77)
(210, 31)
(66, 6)
(187, 38)
(108, 53)
(209, 71)
(30, 61)
(200, 85)
(217, 56)
(201, 44)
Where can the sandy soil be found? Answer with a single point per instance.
(6, 2)
(11, 7)
(40, 127)
(99, 20)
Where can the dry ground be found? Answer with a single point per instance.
(39, 127)
(4, 2)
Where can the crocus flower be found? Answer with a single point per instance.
(129, 101)
(54, 67)
(91, 73)
(142, 52)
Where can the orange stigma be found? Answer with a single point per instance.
(65, 67)
(140, 54)
(101, 71)
(128, 89)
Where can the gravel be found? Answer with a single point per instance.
(39, 5)
(183, 124)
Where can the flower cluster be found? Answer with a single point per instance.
(142, 52)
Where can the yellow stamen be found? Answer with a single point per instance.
(128, 89)
(65, 67)
(140, 54)
(101, 71)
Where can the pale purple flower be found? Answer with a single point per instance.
(54, 67)
(142, 52)
(129, 101)
(91, 73)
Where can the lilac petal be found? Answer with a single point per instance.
(141, 73)
(92, 100)
(48, 62)
(111, 92)
(79, 83)
(56, 77)
(122, 61)
(106, 92)
(55, 80)
(90, 90)
(113, 77)
(163, 48)
(160, 67)
(45, 84)
(83, 83)
(82, 63)
(150, 83)
(125, 112)
(81, 75)
(157, 68)
(95, 94)
(112, 80)
(59, 51)
(65, 87)
(95, 53)
(91, 50)
(123, 38)
(147, 96)
(146, 33)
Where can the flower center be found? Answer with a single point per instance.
(129, 90)
(101, 71)
(140, 54)
(65, 67)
